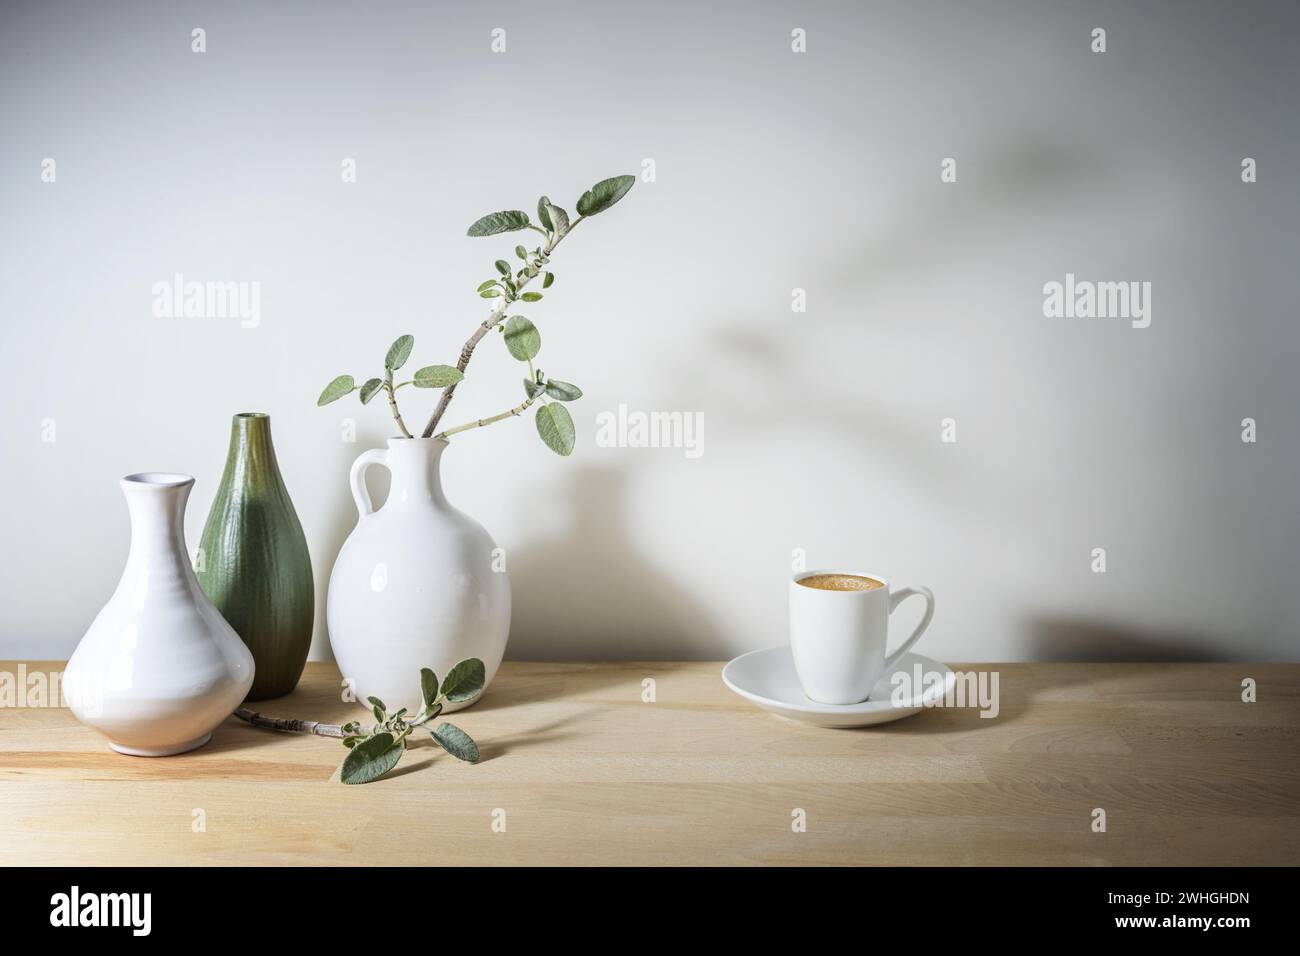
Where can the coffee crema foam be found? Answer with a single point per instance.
(841, 582)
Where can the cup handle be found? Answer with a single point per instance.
(357, 478)
(897, 598)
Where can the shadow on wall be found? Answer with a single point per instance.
(1021, 181)
(1012, 188)
(589, 594)
(1053, 638)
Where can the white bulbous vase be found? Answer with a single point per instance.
(159, 668)
(417, 583)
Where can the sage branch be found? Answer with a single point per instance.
(374, 749)
(522, 340)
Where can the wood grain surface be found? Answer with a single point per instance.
(587, 773)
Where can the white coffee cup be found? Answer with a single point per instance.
(838, 638)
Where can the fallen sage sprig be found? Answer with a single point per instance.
(375, 749)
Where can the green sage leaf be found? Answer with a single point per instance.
(399, 352)
(531, 297)
(532, 389)
(555, 426)
(369, 389)
(370, 759)
(336, 389)
(550, 278)
(486, 285)
(604, 194)
(521, 252)
(456, 742)
(522, 338)
(559, 218)
(491, 293)
(503, 267)
(428, 686)
(563, 391)
(437, 376)
(544, 214)
(464, 681)
(509, 220)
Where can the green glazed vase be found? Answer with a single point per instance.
(254, 564)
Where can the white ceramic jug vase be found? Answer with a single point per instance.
(417, 583)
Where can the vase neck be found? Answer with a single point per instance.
(156, 503)
(416, 467)
(251, 457)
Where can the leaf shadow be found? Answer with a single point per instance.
(406, 766)
(500, 746)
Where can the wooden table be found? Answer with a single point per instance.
(588, 773)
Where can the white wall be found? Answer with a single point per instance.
(775, 170)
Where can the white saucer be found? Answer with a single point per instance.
(767, 678)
